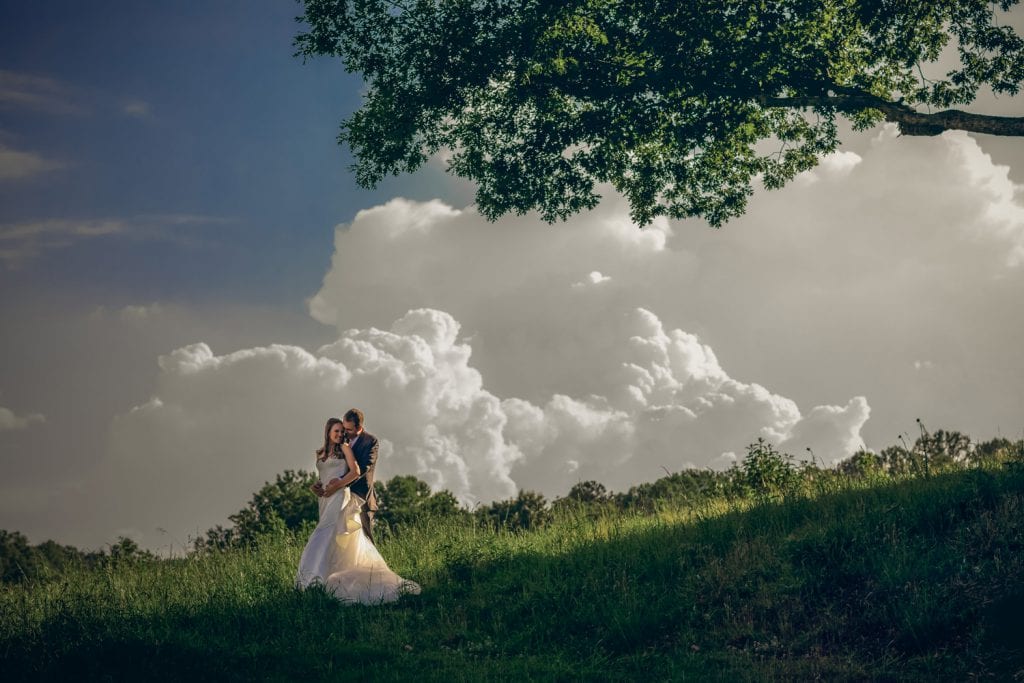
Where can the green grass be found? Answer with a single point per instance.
(921, 579)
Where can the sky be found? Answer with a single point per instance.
(192, 283)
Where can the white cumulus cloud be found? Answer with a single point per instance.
(220, 425)
(515, 354)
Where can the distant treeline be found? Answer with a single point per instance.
(20, 561)
(287, 506)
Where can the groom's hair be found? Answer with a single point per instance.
(355, 416)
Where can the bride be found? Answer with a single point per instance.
(338, 554)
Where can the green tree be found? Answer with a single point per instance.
(588, 496)
(527, 510)
(996, 450)
(942, 448)
(863, 464)
(20, 561)
(17, 561)
(125, 550)
(405, 500)
(540, 100)
(287, 499)
(589, 491)
(900, 461)
(217, 538)
(684, 487)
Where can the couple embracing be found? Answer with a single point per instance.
(340, 553)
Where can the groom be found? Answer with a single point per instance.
(364, 447)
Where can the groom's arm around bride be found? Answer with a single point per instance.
(364, 446)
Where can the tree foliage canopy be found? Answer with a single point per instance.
(286, 503)
(406, 501)
(678, 105)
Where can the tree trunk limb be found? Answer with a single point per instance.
(910, 121)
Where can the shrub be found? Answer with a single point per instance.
(765, 473)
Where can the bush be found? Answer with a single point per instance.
(765, 474)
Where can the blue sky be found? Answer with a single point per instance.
(163, 110)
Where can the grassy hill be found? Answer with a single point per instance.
(878, 578)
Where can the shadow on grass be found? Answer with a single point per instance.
(914, 580)
(881, 582)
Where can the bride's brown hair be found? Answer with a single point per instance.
(327, 439)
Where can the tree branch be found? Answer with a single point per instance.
(910, 121)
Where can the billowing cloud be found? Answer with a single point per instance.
(835, 165)
(514, 354)
(216, 429)
(81, 365)
(830, 431)
(218, 426)
(830, 288)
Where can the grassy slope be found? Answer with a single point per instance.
(914, 580)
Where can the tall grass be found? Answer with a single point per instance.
(842, 579)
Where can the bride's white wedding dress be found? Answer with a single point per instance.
(340, 556)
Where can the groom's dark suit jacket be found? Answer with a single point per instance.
(365, 452)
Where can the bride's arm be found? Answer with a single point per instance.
(317, 488)
(350, 476)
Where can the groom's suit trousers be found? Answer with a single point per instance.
(366, 519)
(365, 451)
